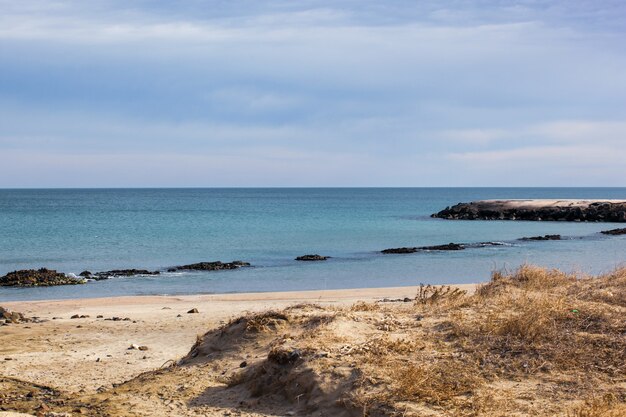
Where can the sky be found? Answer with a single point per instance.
(243, 93)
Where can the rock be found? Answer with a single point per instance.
(37, 278)
(448, 246)
(312, 258)
(400, 250)
(538, 210)
(116, 273)
(85, 274)
(12, 317)
(193, 311)
(243, 364)
(75, 316)
(614, 232)
(209, 266)
(143, 348)
(133, 347)
(546, 237)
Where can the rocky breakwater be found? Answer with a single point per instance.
(209, 266)
(536, 210)
(38, 278)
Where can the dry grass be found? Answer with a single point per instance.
(429, 294)
(266, 321)
(607, 406)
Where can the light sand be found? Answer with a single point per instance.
(85, 354)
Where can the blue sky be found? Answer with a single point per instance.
(312, 93)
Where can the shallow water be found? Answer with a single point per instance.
(102, 229)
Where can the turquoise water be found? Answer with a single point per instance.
(102, 229)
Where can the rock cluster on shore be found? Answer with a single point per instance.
(12, 317)
(48, 277)
(565, 210)
(209, 266)
(38, 278)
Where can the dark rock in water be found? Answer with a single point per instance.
(85, 274)
(449, 246)
(546, 237)
(400, 250)
(614, 232)
(121, 273)
(312, 258)
(37, 278)
(210, 266)
(546, 210)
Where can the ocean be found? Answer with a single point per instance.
(102, 229)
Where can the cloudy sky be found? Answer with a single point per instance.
(312, 93)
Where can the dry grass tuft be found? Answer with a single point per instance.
(266, 321)
(429, 294)
(438, 382)
(527, 277)
(363, 306)
(607, 406)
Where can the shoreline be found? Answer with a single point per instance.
(298, 295)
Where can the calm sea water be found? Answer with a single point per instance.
(102, 229)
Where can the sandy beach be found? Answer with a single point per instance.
(88, 353)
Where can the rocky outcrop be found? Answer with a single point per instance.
(312, 258)
(546, 210)
(448, 246)
(545, 237)
(117, 273)
(37, 278)
(614, 232)
(210, 266)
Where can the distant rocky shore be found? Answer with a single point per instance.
(538, 210)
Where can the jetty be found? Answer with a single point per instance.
(538, 210)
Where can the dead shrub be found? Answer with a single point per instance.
(363, 306)
(429, 294)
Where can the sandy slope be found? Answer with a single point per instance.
(85, 354)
